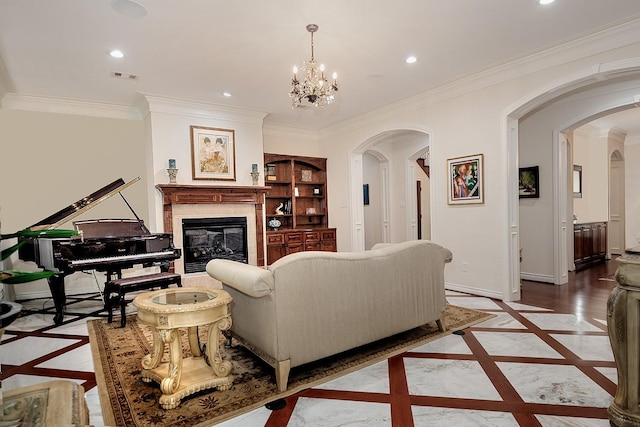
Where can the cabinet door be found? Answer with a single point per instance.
(602, 240)
(578, 244)
(328, 245)
(587, 243)
(275, 252)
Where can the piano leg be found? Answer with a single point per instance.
(56, 286)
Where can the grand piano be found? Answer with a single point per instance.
(106, 245)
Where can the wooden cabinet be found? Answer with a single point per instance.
(297, 198)
(589, 243)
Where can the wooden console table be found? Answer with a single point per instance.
(167, 310)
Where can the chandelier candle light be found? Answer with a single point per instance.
(314, 88)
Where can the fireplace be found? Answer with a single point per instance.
(188, 202)
(205, 239)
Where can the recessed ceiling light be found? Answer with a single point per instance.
(411, 60)
(129, 8)
(116, 53)
(545, 1)
(226, 94)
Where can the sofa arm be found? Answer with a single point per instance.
(248, 279)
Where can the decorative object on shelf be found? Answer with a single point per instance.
(279, 209)
(274, 223)
(311, 211)
(465, 180)
(173, 174)
(296, 192)
(306, 175)
(316, 191)
(255, 174)
(213, 153)
(270, 172)
(314, 88)
(528, 183)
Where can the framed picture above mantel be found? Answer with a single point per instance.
(213, 153)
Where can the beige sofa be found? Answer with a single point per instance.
(310, 305)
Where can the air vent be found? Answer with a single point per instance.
(124, 76)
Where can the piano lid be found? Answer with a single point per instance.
(83, 205)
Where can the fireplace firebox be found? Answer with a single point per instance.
(205, 239)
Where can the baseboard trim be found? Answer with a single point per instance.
(537, 277)
(471, 290)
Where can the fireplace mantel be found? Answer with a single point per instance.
(177, 194)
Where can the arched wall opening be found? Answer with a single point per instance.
(535, 129)
(390, 156)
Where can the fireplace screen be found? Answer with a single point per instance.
(207, 238)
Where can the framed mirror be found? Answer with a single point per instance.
(577, 182)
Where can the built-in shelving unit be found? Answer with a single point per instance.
(297, 198)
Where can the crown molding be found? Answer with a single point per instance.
(149, 103)
(13, 101)
(284, 131)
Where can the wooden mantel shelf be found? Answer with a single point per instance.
(179, 194)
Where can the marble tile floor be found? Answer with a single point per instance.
(527, 366)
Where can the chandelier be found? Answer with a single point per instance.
(314, 88)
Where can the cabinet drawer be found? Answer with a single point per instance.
(311, 236)
(293, 237)
(275, 239)
(312, 246)
(328, 235)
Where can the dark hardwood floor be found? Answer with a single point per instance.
(586, 293)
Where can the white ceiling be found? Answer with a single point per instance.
(196, 49)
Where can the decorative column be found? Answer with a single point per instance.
(623, 324)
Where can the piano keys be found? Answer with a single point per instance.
(106, 245)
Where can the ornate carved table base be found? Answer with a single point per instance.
(623, 324)
(166, 311)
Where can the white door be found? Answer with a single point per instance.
(616, 205)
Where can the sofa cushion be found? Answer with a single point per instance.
(248, 279)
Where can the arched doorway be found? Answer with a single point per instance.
(591, 89)
(395, 152)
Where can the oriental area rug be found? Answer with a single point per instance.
(128, 401)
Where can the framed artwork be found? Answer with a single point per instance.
(528, 183)
(465, 180)
(365, 193)
(213, 153)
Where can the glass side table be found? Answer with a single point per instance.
(168, 310)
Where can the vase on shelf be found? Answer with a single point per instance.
(254, 177)
(274, 223)
(173, 173)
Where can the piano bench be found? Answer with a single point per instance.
(133, 284)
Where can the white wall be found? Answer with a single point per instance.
(169, 121)
(51, 160)
(468, 118)
(590, 152)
